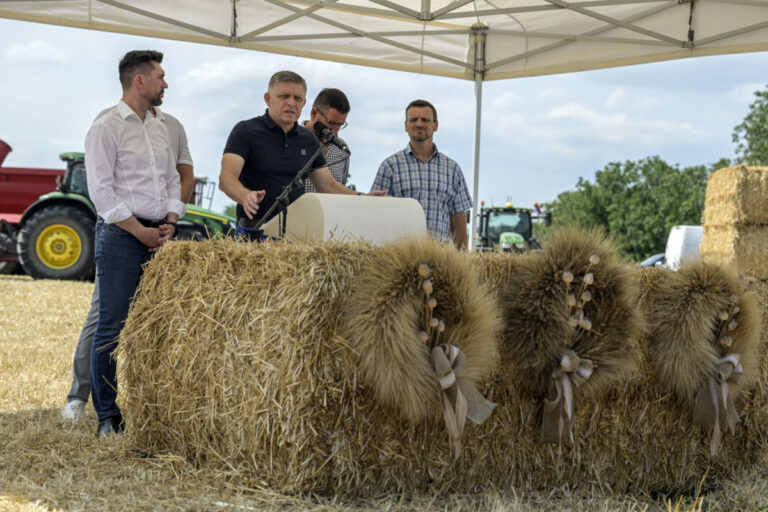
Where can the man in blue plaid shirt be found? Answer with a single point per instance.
(420, 171)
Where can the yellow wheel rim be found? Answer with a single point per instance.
(59, 246)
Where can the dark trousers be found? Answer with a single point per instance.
(119, 257)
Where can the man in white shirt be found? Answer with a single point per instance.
(80, 389)
(133, 183)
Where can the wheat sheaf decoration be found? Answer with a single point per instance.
(571, 326)
(705, 329)
(426, 333)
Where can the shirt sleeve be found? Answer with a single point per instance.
(238, 141)
(461, 198)
(184, 156)
(173, 186)
(383, 179)
(100, 160)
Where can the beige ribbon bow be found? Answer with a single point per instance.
(558, 413)
(713, 405)
(459, 397)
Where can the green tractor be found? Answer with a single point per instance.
(507, 228)
(56, 235)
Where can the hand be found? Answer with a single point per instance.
(251, 203)
(149, 237)
(380, 193)
(166, 232)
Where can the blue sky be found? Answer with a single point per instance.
(539, 135)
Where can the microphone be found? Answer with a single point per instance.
(329, 136)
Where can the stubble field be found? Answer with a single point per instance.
(46, 464)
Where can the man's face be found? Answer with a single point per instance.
(284, 102)
(154, 85)
(329, 117)
(420, 123)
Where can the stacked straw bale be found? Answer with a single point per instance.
(735, 219)
(241, 357)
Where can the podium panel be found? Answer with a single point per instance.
(379, 220)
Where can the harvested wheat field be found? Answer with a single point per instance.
(47, 465)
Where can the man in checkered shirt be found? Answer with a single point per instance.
(331, 108)
(420, 171)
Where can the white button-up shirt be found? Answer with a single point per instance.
(130, 167)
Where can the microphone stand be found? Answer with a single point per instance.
(281, 202)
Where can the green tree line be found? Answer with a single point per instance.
(638, 202)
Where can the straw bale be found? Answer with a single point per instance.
(235, 357)
(744, 247)
(384, 318)
(537, 316)
(737, 195)
(685, 328)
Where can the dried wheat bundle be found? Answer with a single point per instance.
(700, 315)
(573, 296)
(704, 348)
(388, 323)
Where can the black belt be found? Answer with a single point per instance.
(151, 223)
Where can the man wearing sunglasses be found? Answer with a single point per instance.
(330, 109)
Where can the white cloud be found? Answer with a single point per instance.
(551, 94)
(745, 92)
(620, 127)
(35, 52)
(508, 99)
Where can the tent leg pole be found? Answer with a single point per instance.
(476, 161)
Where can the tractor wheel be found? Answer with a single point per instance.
(57, 243)
(8, 245)
(191, 232)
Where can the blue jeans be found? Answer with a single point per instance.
(81, 362)
(119, 257)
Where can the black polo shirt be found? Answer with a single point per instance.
(272, 157)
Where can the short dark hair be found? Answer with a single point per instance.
(421, 103)
(332, 98)
(137, 62)
(286, 76)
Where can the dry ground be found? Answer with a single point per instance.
(48, 465)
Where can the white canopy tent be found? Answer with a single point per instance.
(475, 40)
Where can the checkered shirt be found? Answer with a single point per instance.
(438, 185)
(338, 163)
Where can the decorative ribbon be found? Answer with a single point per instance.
(713, 405)
(460, 399)
(558, 413)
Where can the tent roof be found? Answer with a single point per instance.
(439, 37)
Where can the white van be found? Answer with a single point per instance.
(682, 245)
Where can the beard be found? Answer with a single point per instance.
(156, 101)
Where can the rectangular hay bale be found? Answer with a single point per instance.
(234, 356)
(746, 247)
(737, 195)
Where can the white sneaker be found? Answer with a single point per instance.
(74, 410)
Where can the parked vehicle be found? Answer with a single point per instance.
(657, 260)
(682, 245)
(54, 236)
(508, 228)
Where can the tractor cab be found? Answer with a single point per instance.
(74, 180)
(507, 228)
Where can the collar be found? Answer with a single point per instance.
(159, 114)
(409, 151)
(125, 111)
(272, 125)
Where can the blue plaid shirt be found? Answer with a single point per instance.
(437, 184)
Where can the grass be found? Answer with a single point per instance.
(49, 465)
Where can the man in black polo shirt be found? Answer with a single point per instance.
(265, 153)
